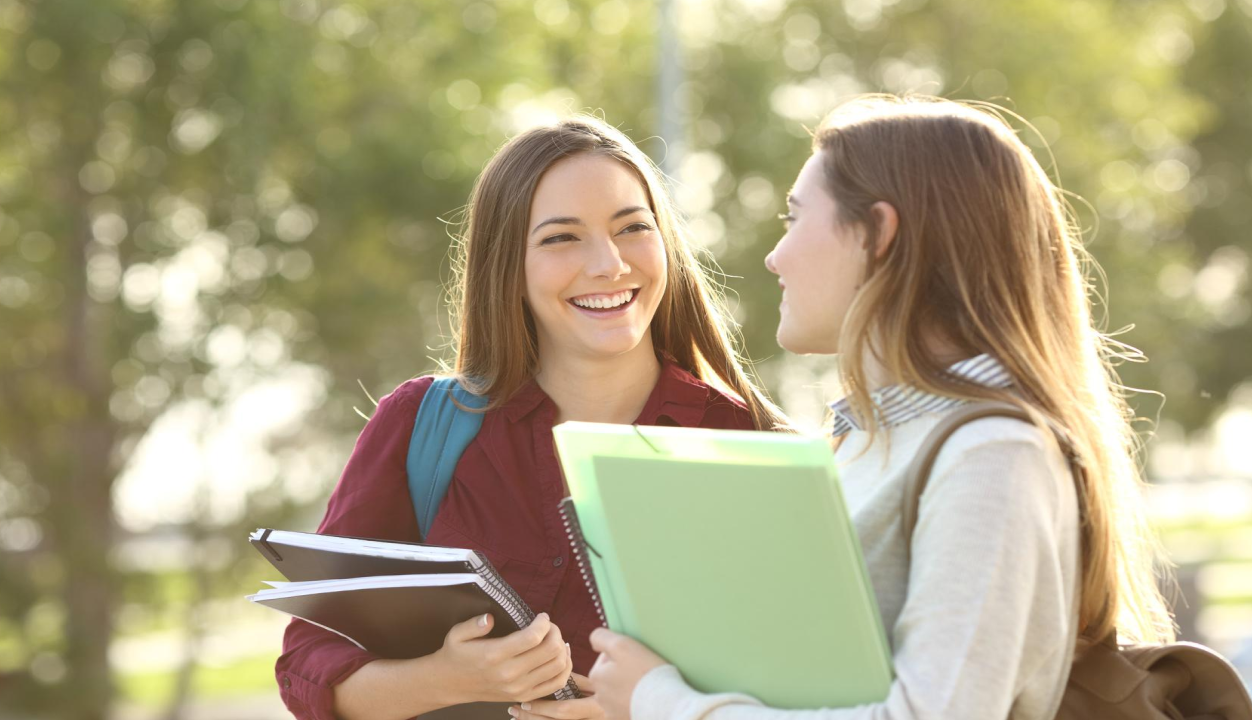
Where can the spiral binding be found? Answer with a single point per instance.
(513, 604)
(569, 517)
(504, 595)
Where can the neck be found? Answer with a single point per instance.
(601, 390)
(877, 376)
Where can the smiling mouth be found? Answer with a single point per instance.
(634, 293)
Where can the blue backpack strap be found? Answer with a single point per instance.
(441, 433)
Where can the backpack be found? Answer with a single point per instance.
(1177, 681)
(441, 433)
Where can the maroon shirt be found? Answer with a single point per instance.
(502, 502)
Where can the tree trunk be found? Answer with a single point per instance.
(85, 524)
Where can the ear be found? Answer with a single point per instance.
(888, 222)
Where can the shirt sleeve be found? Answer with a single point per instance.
(370, 500)
(988, 610)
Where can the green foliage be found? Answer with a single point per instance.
(1102, 84)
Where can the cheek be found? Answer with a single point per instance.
(546, 275)
(531, 274)
(821, 281)
(840, 263)
(660, 274)
(648, 263)
(651, 259)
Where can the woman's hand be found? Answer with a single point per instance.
(584, 708)
(622, 664)
(520, 667)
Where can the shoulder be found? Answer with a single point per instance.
(409, 392)
(998, 432)
(1006, 461)
(404, 400)
(1000, 441)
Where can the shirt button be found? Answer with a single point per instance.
(286, 681)
(556, 562)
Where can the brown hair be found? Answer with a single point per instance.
(495, 340)
(987, 260)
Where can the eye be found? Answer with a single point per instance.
(786, 220)
(553, 239)
(637, 227)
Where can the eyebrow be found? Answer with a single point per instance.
(567, 220)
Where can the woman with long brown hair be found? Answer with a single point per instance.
(578, 298)
(927, 247)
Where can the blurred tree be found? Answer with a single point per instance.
(1101, 83)
(194, 195)
(1207, 293)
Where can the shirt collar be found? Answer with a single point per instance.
(678, 395)
(527, 398)
(896, 404)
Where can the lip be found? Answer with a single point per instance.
(606, 314)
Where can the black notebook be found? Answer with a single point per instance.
(397, 600)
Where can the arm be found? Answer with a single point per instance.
(528, 664)
(987, 606)
(325, 676)
(397, 689)
(370, 500)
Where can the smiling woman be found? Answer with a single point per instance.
(567, 216)
(594, 279)
(578, 298)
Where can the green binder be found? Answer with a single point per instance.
(732, 555)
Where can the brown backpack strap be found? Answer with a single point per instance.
(918, 472)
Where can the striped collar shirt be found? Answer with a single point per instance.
(897, 404)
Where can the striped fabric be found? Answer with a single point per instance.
(897, 404)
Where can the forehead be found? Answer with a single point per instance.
(587, 184)
(812, 178)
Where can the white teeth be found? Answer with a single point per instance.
(602, 303)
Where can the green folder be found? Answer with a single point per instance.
(731, 554)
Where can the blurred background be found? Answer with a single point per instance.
(223, 227)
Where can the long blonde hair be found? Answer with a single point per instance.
(988, 260)
(495, 341)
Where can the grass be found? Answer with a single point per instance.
(249, 676)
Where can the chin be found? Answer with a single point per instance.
(614, 347)
(804, 346)
(788, 342)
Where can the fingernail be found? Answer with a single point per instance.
(482, 621)
(568, 650)
(526, 706)
(512, 712)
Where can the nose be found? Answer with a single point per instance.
(606, 260)
(769, 261)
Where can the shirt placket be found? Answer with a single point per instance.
(550, 490)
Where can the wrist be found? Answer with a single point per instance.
(442, 684)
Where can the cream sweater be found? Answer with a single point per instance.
(982, 622)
